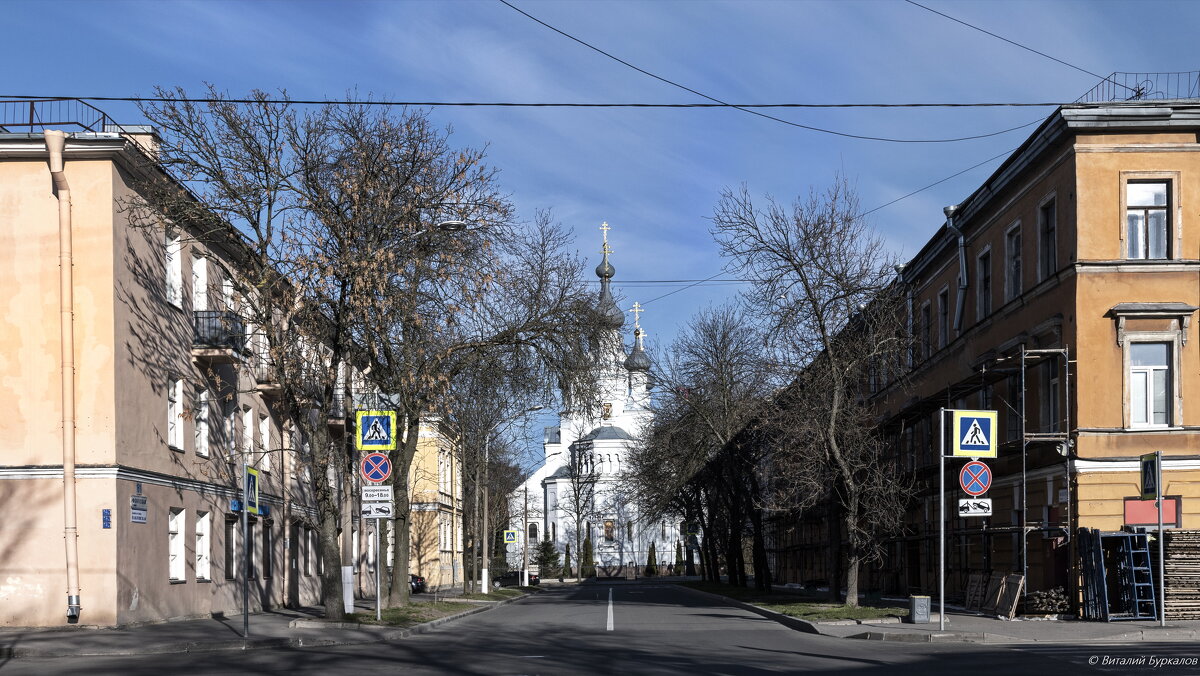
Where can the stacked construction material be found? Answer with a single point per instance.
(1182, 569)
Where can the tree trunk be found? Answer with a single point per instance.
(324, 477)
(852, 553)
(833, 556)
(762, 570)
(400, 588)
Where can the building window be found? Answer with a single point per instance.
(983, 290)
(1012, 264)
(268, 558)
(1012, 410)
(200, 415)
(203, 545)
(1053, 393)
(1047, 239)
(1147, 225)
(943, 310)
(231, 549)
(1150, 384)
(175, 560)
(199, 283)
(247, 433)
(306, 547)
(251, 551)
(264, 441)
(533, 532)
(230, 429)
(173, 256)
(175, 414)
(926, 331)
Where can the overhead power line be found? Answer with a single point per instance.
(529, 104)
(746, 109)
(1013, 43)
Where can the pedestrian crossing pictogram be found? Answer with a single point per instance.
(973, 434)
(375, 430)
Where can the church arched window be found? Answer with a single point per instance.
(533, 532)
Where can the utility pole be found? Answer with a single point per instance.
(525, 541)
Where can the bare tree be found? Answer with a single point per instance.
(824, 287)
(579, 504)
(702, 449)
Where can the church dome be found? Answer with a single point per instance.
(611, 316)
(638, 359)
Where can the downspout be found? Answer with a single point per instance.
(962, 268)
(56, 141)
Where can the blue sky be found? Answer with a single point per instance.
(654, 175)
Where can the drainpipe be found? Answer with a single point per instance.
(56, 141)
(962, 267)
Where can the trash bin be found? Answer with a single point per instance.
(918, 609)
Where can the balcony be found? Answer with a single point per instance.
(266, 378)
(218, 336)
(336, 415)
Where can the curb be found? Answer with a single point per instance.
(787, 621)
(384, 634)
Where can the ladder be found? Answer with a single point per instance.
(1136, 578)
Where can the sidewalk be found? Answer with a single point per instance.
(964, 626)
(278, 628)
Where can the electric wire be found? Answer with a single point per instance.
(527, 104)
(751, 111)
(1014, 43)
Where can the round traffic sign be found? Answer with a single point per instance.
(376, 467)
(975, 478)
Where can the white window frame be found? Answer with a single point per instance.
(1013, 282)
(174, 434)
(1174, 397)
(231, 549)
(248, 435)
(264, 440)
(1174, 211)
(200, 415)
(176, 563)
(199, 282)
(983, 297)
(173, 259)
(203, 546)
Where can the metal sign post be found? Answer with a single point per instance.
(378, 573)
(249, 493)
(1158, 501)
(942, 519)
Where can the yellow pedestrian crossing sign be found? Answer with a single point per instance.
(375, 430)
(974, 434)
(510, 537)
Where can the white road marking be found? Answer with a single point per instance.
(610, 612)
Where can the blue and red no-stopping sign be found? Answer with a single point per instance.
(975, 478)
(376, 467)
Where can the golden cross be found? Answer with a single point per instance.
(637, 315)
(604, 229)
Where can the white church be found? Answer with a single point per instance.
(546, 502)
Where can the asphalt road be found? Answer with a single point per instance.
(632, 629)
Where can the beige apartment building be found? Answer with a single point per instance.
(168, 401)
(1061, 293)
(435, 496)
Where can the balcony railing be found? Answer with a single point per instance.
(218, 329)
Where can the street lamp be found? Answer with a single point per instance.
(452, 226)
(487, 444)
